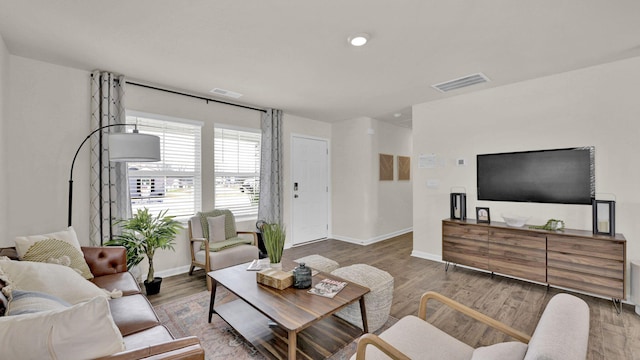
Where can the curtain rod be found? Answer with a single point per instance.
(194, 96)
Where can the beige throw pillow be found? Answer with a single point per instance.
(23, 243)
(216, 228)
(83, 331)
(57, 280)
(61, 248)
(56, 251)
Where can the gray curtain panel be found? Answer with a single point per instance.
(109, 183)
(270, 205)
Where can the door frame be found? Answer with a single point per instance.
(329, 192)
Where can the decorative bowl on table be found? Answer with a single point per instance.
(515, 220)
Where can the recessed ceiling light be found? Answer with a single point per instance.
(358, 39)
(397, 115)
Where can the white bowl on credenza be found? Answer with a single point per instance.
(514, 220)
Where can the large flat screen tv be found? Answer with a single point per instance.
(563, 176)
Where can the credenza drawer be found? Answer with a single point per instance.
(613, 250)
(465, 232)
(466, 245)
(586, 264)
(586, 282)
(518, 239)
(518, 253)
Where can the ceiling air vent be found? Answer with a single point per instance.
(461, 82)
(226, 93)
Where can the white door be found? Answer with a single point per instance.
(310, 188)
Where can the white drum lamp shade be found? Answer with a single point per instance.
(134, 147)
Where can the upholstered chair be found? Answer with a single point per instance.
(215, 243)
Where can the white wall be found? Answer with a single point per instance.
(4, 93)
(177, 106)
(157, 102)
(395, 198)
(44, 115)
(364, 208)
(45, 119)
(352, 183)
(594, 106)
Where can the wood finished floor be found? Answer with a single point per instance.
(514, 302)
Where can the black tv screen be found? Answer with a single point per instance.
(563, 176)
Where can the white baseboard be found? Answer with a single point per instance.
(426, 256)
(372, 240)
(174, 271)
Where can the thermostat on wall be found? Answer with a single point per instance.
(461, 162)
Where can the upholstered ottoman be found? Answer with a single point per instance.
(318, 262)
(377, 302)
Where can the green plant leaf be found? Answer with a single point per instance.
(143, 234)
(273, 236)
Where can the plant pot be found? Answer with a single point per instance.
(277, 266)
(153, 287)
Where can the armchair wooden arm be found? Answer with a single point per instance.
(206, 266)
(200, 240)
(188, 348)
(382, 345)
(394, 353)
(255, 236)
(422, 314)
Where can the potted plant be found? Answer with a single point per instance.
(142, 235)
(273, 236)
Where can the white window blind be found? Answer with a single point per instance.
(174, 183)
(237, 170)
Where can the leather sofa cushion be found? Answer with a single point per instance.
(133, 313)
(155, 335)
(119, 281)
(105, 260)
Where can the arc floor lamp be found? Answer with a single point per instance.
(122, 147)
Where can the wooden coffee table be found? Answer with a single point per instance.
(293, 310)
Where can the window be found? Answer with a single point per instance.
(237, 170)
(173, 183)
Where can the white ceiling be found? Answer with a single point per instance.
(293, 55)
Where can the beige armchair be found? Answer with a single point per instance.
(561, 333)
(236, 247)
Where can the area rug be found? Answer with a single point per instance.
(188, 316)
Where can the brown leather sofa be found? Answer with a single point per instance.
(144, 336)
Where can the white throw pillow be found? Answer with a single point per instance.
(23, 243)
(29, 302)
(57, 280)
(83, 331)
(217, 228)
(513, 350)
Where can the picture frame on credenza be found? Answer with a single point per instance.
(483, 215)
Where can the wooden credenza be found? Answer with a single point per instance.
(573, 259)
